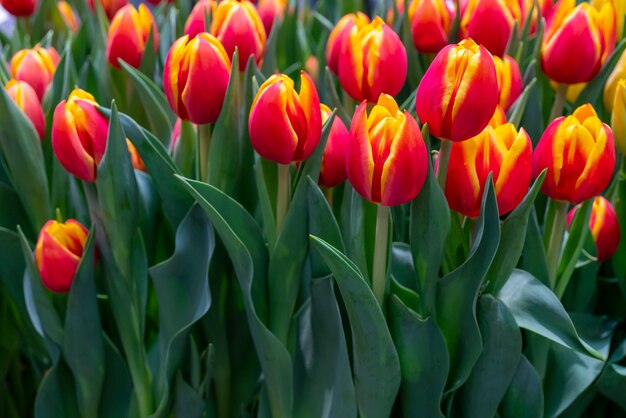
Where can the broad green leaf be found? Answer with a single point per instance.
(187, 402)
(12, 267)
(376, 366)
(524, 396)
(423, 361)
(117, 387)
(402, 268)
(612, 382)
(55, 394)
(533, 258)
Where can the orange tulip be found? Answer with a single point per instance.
(35, 66)
(284, 125)
(196, 22)
(490, 23)
(26, 99)
(579, 153)
(110, 7)
(69, 16)
(387, 160)
(431, 21)
(509, 80)
(340, 32)
(19, 8)
(604, 227)
(333, 168)
(128, 34)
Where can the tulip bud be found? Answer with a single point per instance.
(312, 66)
(195, 78)
(459, 92)
(578, 40)
(269, 10)
(128, 34)
(431, 21)
(387, 160)
(337, 36)
(19, 8)
(58, 252)
(196, 22)
(490, 23)
(373, 61)
(579, 153)
(238, 25)
(26, 99)
(35, 66)
(618, 73)
(135, 159)
(502, 151)
(285, 126)
(79, 135)
(333, 168)
(618, 116)
(110, 7)
(509, 80)
(68, 15)
(604, 227)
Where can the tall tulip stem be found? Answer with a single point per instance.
(559, 102)
(204, 149)
(444, 159)
(556, 221)
(282, 195)
(379, 267)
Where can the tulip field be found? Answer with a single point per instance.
(312, 209)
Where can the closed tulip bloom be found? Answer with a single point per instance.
(502, 151)
(269, 10)
(135, 158)
(333, 168)
(340, 32)
(431, 21)
(35, 66)
(373, 61)
(195, 78)
(490, 23)
(19, 8)
(285, 125)
(387, 159)
(459, 92)
(110, 7)
(238, 25)
(196, 22)
(604, 227)
(128, 35)
(618, 116)
(618, 73)
(509, 80)
(578, 40)
(26, 99)
(58, 253)
(69, 16)
(79, 135)
(579, 153)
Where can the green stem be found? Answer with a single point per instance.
(379, 268)
(444, 159)
(282, 195)
(555, 231)
(204, 149)
(559, 102)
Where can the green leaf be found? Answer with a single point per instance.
(537, 309)
(533, 258)
(593, 90)
(578, 231)
(187, 402)
(423, 360)
(54, 395)
(376, 365)
(524, 397)
(494, 370)
(458, 291)
(611, 384)
(519, 106)
(117, 387)
(402, 268)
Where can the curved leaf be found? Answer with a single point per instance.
(524, 397)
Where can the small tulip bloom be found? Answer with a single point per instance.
(69, 16)
(19, 8)
(196, 22)
(577, 41)
(333, 168)
(135, 159)
(502, 151)
(35, 66)
(618, 73)
(238, 25)
(618, 116)
(509, 81)
(79, 135)
(285, 125)
(110, 7)
(490, 23)
(337, 36)
(604, 227)
(195, 78)
(387, 159)
(373, 61)
(26, 99)
(431, 21)
(128, 35)
(58, 253)
(579, 153)
(459, 92)
(269, 10)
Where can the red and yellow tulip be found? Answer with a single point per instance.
(604, 227)
(26, 99)
(79, 135)
(35, 66)
(110, 7)
(459, 92)
(337, 36)
(387, 159)
(431, 21)
(509, 80)
(196, 21)
(285, 125)
(269, 10)
(19, 8)
(618, 74)
(490, 23)
(579, 153)
(128, 35)
(333, 168)
(58, 253)
(195, 78)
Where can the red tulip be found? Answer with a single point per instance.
(26, 99)
(333, 168)
(490, 23)
(196, 22)
(128, 35)
(431, 21)
(340, 32)
(509, 81)
(110, 7)
(19, 8)
(604, 227)
(35, 66)
(269, 10)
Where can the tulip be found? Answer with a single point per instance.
(238, 25)
(19, 8)
(618, 116)
(128, 35)
(312, 66)
(284, 125)
(58, 253)
(333, 168)
(110, 7)
(509, 80)
(459, 92)
(373, 61)
(79, 135)
(545, 11)
(604, 227)
(618, 73)
(26, 99)
(196, 22)
(502, 151)
(578, 40)
(390, 18)
(340, 32)
(498, 118)
(269, 10)
(387, 160)
(490, 23)
(579, 153)
(68, 15)
(195, 78)
(35, 66)
(135, 159)
(431, 21)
